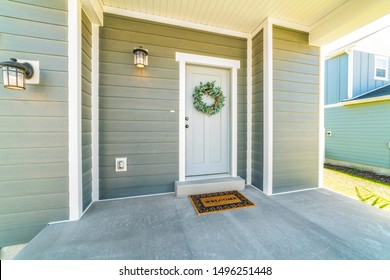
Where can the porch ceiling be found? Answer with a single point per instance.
(326, 20)
(237, 15)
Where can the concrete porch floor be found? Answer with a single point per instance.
(314, 224)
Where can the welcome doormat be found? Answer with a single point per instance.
(219, 201)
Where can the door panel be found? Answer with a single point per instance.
(207, 137)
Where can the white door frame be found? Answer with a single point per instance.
(233, 65)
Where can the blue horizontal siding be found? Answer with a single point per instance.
(360, 133)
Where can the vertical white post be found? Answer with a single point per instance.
(249, 113)
(268, 109)
(321, 129)
(95, 112)
(74, 109)
(182, 101)
(234, 146)
(350, 74)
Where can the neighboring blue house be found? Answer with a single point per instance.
(357, 111)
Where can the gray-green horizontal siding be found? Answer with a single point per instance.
(295, 111)
(86, 110)
(363, 73)
(34, 122)
(360, 133)
(135, 119)
(336, 79)
(257, 110)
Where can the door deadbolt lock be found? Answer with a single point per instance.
(187, 118)
(187, 126)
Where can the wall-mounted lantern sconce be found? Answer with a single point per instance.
(140, 57)
(16, 73)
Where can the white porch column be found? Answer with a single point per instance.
(95, 112)
(249, 113)
(268, 109)
(74, 109)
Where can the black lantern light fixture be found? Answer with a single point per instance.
(15, 73)
(140, 57)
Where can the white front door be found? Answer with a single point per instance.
(207, 137)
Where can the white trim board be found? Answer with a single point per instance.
(207, 60)
(94, 10)
(321, 123)
(268, 108)
(184, 59)
(281, 23)
(350, 74)
(74, 110)
(95, 112)
(249, 114)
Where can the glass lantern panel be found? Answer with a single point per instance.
(13, 78)
(21, 78)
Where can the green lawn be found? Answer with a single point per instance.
(368, 191)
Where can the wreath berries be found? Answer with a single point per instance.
(211, 90)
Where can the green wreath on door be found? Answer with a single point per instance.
(212, 91)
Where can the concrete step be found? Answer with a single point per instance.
(209, 186)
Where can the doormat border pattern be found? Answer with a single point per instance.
(201, 209)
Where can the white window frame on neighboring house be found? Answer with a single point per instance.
(378, 61)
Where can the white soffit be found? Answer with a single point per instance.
(242, 16)
(326, 20)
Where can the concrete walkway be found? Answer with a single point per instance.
(315, 224)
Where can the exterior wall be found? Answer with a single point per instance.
(135, 104)
(34, 123)
(86, 110)
(336, 76)
(336, 82)
(360, 133)
(295, 111)
(363, 73)
(257, 111)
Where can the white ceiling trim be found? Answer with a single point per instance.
(282, 23)
(348, 18)
(340, 44)
(94, 10)
(175, 22)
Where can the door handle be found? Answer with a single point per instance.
(187, 126)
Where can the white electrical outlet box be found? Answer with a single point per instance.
(121, 164)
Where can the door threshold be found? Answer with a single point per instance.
(212, 176)
(222, 184)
